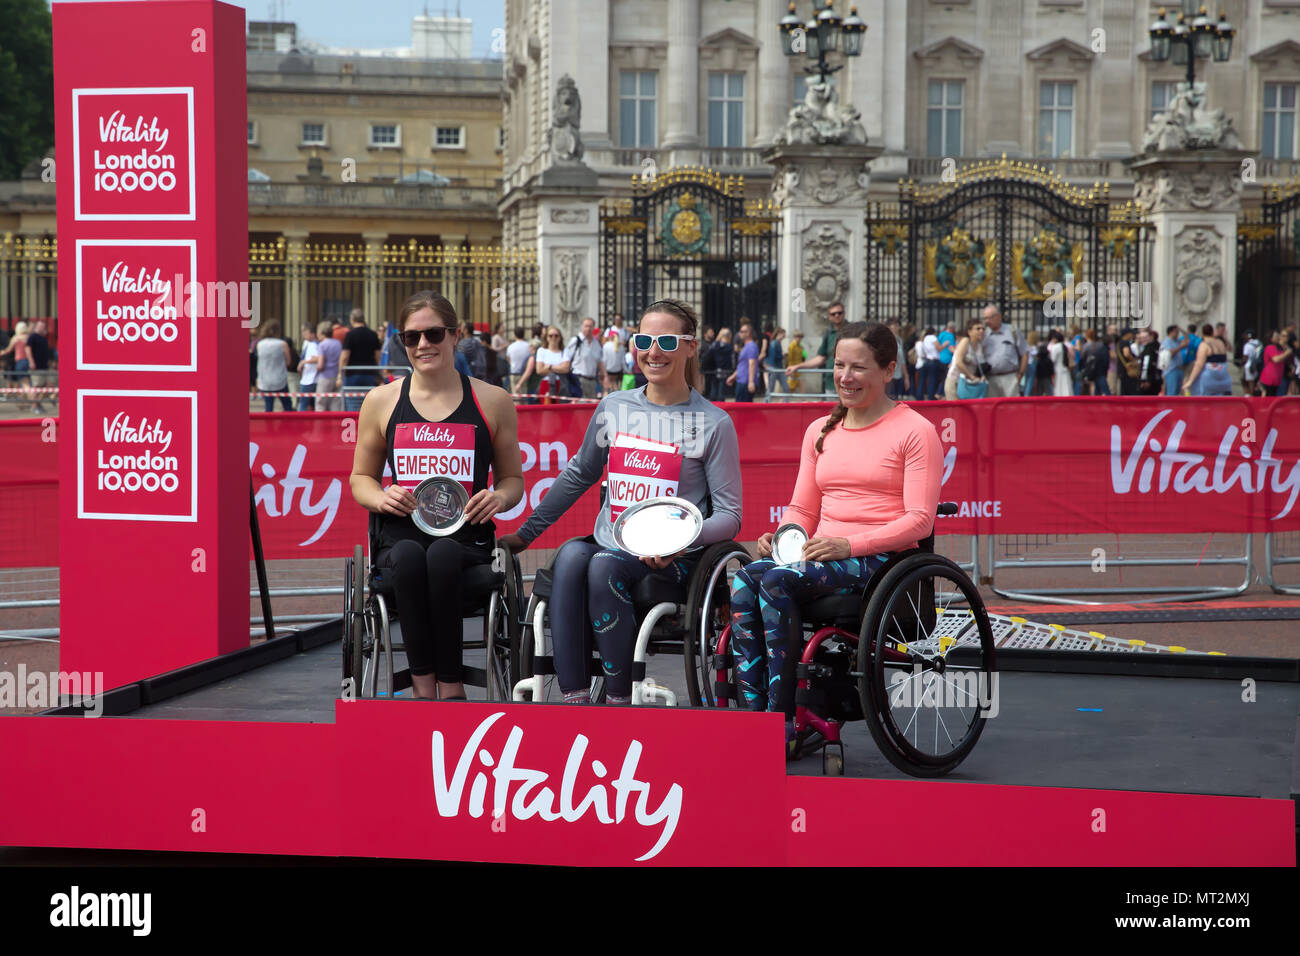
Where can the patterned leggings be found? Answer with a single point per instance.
(591, 595)
(773, 592)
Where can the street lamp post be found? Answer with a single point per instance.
(1193, 36)
(824, 32)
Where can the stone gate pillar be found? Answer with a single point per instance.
(1189, 180)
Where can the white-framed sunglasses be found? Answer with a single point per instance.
(666, 342)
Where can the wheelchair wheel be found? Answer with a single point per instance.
(358, 622)
(708, 613)
(927, 665)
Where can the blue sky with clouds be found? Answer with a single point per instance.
(373, 23)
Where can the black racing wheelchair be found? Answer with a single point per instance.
(372, 632)
(912, 653)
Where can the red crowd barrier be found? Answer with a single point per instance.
(1014, 466)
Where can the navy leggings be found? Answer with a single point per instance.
(426, 579)
(591, 598)
(765, 623)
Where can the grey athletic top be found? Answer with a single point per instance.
(710, 474)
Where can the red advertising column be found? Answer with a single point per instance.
(150, 114)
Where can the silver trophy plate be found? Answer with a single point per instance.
(440, 506)
(658, 527)
(787, 544)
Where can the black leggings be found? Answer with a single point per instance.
(427, 584)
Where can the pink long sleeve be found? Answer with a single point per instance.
(876, 486)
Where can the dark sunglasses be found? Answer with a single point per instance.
(667, 343)
(435, 334)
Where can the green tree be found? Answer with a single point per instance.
(26, 84)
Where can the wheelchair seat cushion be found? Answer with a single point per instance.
(652, 590)
(834, 609)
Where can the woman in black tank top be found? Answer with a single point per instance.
(434, 422)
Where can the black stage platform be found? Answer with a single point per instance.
(1172, 734)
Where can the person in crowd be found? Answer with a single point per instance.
(612, 360)
(774, 364)
(868, 486)
(472, 349)
(587, 359)
(724, 363)
(552, 365)
(931, 365)
(529, 380)
(708, 364)
(330, 350)
(40, 355)
(1042, 374)
(21, 377)
(502, 367)
(1074, 343)
(393, 355)
(518, 353)
(1251, 348)
(911, 355)
(592, 579)
(1112, 361)
(967, 362)
(1029, 384)
(835, 315)
(1209, 376)
(1172, 345)
(1126, 352)
(1149, 379)
(1094, 364)
(745, 378)
(901, 384)
(947, 346)
(795, 355)
(623, 332)
(338, 329)
(1005, 353)
(361, 347)
(1277, 355)
(763, 340)
(309, 363)
(273, 358)
(427, 570)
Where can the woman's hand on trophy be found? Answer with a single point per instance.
(660, 563)
(484, 505)
(827, 549)
(765, 545)
(397, 501)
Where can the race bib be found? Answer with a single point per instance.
(421, 451)
(640, 469)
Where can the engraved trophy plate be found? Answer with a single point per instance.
(440, 506)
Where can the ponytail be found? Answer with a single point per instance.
(836, 417)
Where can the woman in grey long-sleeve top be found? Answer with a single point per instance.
(592, 580)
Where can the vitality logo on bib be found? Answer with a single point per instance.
(640, 469)
(422, 450)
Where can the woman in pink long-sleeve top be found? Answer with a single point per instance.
(868, 486)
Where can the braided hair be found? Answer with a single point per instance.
(884, 349)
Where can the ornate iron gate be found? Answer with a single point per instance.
(1001, 232)
(1268, 261)
(690, 234)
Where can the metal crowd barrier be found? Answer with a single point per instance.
(1272, 560)
(1018, 552)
